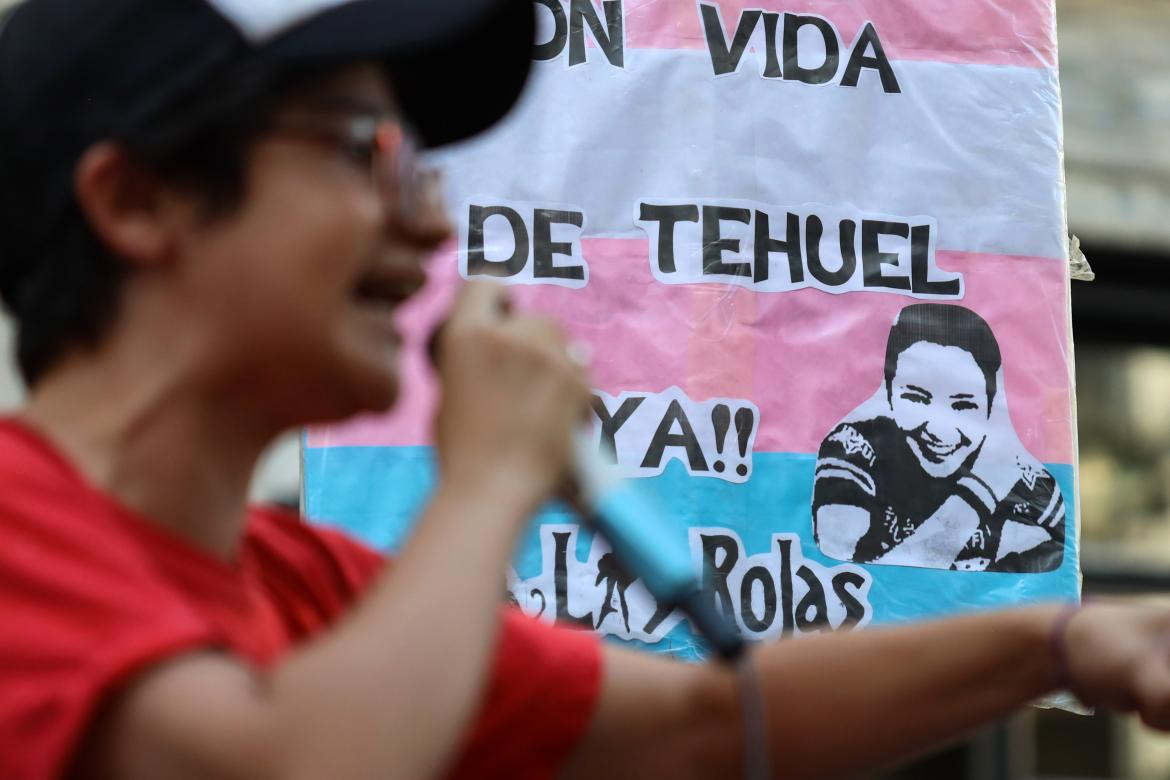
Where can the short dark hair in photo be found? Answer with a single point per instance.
(948, 326)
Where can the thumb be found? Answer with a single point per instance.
(1151, 694)
(481, 302)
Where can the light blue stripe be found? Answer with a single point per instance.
(376, 492)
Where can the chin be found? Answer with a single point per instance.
(943, 470)
(345, 394)
(366, 377)
(376, 394)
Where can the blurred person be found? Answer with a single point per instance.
(210, 218)
(930, 471)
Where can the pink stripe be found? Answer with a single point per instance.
(822, 355)
(723, 316)
(983, 32)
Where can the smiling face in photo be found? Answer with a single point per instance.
(938, 396)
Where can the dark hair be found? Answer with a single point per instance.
(58, 280)
(948, 326)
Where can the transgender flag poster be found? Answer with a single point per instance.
(818, 250)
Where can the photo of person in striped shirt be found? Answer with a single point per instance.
(929, 472)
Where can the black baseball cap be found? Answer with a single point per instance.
(458, 65)
(74, 72)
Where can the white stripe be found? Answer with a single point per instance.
(841, 474)
(844, 464)
(977, 147)
(981, 491)
(831, 467)
(1048, 515)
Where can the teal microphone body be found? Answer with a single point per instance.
(645, 544)
(648, 546)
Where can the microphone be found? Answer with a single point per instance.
(645, 544)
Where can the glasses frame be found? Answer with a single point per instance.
(387, 145)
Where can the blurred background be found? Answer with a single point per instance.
(1115, 72)
(1115, 67)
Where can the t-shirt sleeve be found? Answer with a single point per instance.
(542, 690)
(80, 615)
(542, 694)
(360, 564)
(844, 470)
(1030, 522)
(1035, 499)
(353, 562)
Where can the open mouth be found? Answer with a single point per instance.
(383, 290)
(937, 453)
(941, 451)
(378, 293)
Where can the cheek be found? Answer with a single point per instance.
(973, 425)
(909, 415)
(321, 239)
(294, 255)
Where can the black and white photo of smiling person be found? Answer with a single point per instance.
(929, 471)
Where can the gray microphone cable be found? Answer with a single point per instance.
(757, 763)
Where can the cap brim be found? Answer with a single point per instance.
(457, 66)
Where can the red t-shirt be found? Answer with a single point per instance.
(92, 594)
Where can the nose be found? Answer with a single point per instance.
(943, 429)
(930, 431)
(421, 218)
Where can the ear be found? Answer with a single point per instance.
(126, 205)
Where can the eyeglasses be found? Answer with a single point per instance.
(385, 147)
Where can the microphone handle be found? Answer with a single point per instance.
(647, 546)
(643, 542)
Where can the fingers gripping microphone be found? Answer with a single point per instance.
(643, 541)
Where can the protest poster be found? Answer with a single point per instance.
(818, 251)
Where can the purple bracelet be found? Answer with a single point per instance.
(1058, 643)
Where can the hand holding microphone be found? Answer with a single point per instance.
(513, 403)
(511, 398)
